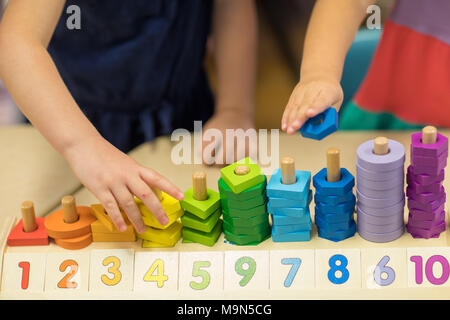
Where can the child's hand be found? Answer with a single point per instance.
(226, 153)
(114, 178)
(308, 99)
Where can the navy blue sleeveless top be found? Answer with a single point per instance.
(135, 67)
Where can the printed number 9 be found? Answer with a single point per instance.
(246, 273)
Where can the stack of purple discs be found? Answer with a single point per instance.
(426, 194)
(380, 191)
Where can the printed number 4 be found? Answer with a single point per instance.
(198, 272)
(160, 277)
(295, 262)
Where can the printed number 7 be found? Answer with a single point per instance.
(296, 262)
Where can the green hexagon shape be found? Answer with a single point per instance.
(239, 183)
(202, 209)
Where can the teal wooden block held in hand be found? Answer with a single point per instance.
(322, 125)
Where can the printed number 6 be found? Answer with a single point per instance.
(382, 268)
(197, 272)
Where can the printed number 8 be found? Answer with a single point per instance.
(341, 267)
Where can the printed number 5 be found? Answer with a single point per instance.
(293, 271)
(197, 272)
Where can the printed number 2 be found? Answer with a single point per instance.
(341, 267)
(65, 282)
(25, 265)
(114, 270)
(198, 272)
(293, 271)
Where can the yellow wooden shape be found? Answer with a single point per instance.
(114, 237)
(170, 205)
(151, 244)
(165, 236)
(99, 212)
(150, 220)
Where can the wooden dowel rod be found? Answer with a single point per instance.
(28, 217)
(288, 170)
(380, 145)
(70, 209)
(199, 186)
(429, 135)
(333, 165)
(241, 170)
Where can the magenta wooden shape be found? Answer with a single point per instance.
(368, 160)
(425, 196)
(428, 206)
(426, 224)
(429, 170)
(429, 161)
(424, 178)
(421, 188)
(426, 233)
(428, 150)
(426, 215)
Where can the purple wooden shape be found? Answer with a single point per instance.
(426, 196)
(421, 188)
(384, 202)
(424, 178)
(368, 160)
(380, 237)
(385, 176)
(428, 150)
(426, 224)
(428, 161)
(429, 170)
(395, 218)
(427, 215)
(381, 194)
(426, 233)
(429, 206)
(382, 212)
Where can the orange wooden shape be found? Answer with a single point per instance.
(38, 237)
(58, 229)
(75, 243)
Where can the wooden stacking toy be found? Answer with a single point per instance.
(380, 189)
(242, 189)
(201, 220)
(30, 231)
(157, 235)
(104, 230)
(322, 125)
(335, 201)
(426, 194)
(289, 196)
(70, 226)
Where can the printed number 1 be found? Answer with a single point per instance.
(25, 265)
(293, 271)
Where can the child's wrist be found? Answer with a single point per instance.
(243, 110)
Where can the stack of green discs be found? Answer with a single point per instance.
(242, 189)
(201, 219)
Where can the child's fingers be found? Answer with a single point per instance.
(143, 192)
(293, 104)
(112, 209)
(154, 179)
(126, 200)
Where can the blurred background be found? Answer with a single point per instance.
(282, 28)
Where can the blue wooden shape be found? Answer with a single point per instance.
(339, 208)
(286, 220)
(331, 227)
(298, 190)
(334, 200)
(333, 217)
(292, 228)
(289, 203)
(290, 212)
(338, 235)
(338, 188)
(322, 125)
(292, 236)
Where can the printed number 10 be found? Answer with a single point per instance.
(418, 261)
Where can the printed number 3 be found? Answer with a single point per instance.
(197, 272)
(114, 270)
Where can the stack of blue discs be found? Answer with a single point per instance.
(335, 206)
(289, 206)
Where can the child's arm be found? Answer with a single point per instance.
(235, 46)
(331, 30)
(34, 82)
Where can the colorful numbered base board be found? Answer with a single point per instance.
(352, 269)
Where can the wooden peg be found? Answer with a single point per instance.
(70, 209)
(158, 193)
(28, 217)
(429, 135)
(199, 186)
(241, 170)
(380, 145)
(333, 165)
(288, 170)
